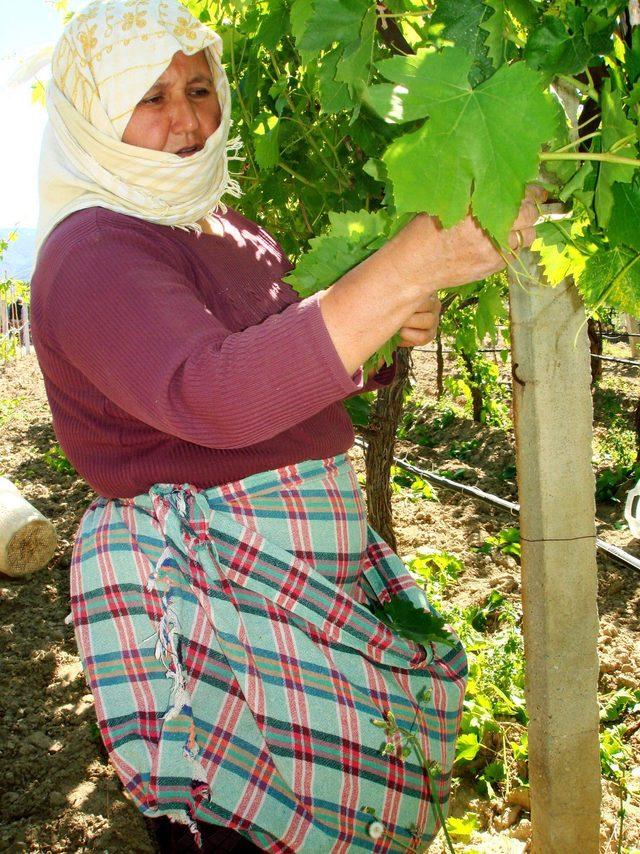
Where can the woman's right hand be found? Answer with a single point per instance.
(375, 299)
(444, 258)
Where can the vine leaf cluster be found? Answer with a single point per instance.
(357, 115)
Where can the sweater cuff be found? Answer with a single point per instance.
(325, 348)
(385, 376)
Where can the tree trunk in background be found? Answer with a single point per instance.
(386, 411)
(439, 366)
(594, 330)
(381, 438)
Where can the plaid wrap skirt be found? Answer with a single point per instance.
(239, 677)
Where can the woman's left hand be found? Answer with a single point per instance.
(422, 326)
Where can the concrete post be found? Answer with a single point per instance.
(632, 325)
(553, 423)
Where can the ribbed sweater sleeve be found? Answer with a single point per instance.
(149, 343)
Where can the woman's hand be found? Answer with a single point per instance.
(388, 291)
(421, 327)
(463, 253)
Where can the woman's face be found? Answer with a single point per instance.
(179, 112)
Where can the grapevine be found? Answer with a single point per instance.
(356, 116)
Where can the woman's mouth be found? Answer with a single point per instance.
(188, 150)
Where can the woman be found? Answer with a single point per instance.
(219, 582)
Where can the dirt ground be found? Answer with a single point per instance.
(58, 791)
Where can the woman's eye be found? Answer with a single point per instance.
(154, 99)
(200, 93)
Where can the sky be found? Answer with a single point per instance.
(27, 26)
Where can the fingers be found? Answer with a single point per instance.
(422, 326)
(523, 231)
(519, 237)
(529, 209)
(411, 337)
(527, 215)
(431, 304)
(536, 193)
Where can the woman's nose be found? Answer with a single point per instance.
(185, 118)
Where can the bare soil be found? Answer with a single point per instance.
(58, 790)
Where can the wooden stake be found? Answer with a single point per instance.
(553, 417)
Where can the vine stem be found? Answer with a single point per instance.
(239, 94)
(577, 141)
(579, 85)
(296, 175)
(432, 783)
(418, 13)
(602, 157)
(309, 136)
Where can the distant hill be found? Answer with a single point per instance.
(18, 260)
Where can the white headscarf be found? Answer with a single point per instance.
(108, 57)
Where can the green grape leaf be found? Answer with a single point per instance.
(329, 259)
(385, 352)
(412, 623)
(353, 66)
(495, 26)
(360, 228)
(633, 56)
(467, 747)
(578, 181)
(376, 169)
(334, 97)
(560, 257)
(267, 146)
(467, 153)
(299, 16)
(273, 25)
(563, 170)
(625, 216)
(615, 127)
(559, 46)
(634, 95)
(329, 21)
(522, 10)
(612, 277)
(489, 311)
(351, 238)
(359, 408)
(460, 22)
(395, 103)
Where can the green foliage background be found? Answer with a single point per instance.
(355, 116)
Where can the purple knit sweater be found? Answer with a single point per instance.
(172, 357)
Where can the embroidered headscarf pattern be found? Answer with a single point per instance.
(108, 56)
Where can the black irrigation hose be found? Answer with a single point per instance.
(616, 336)
(612, 551)
(633, 362)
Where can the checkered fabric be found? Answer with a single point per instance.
(236, 669)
